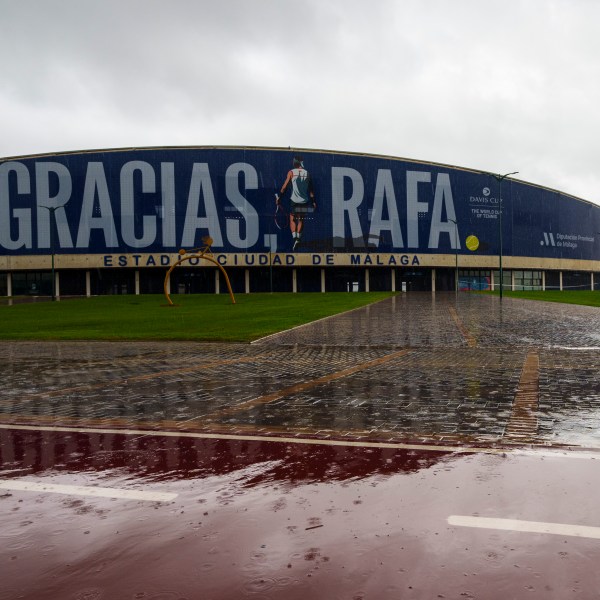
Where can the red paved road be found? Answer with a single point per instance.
(255, 519)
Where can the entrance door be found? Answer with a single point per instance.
(417, 280)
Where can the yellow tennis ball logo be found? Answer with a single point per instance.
(472, 243)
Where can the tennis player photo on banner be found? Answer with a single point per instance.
(302, 199)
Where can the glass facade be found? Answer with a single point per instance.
(72, 282)
(112, 282)
(276, 279)
(576, 280)
(552, 280)
(32, 283)
(474, 279)
(191, 280)
(506, 279)
(345, 280)
(527, 280)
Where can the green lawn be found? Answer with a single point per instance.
(201, 317)
(587, 297)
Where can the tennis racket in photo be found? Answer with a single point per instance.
(281, 217)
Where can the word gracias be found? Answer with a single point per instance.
(141, 205)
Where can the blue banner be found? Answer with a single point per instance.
(266, 200)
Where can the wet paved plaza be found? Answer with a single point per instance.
(423, 447)
(416, 367)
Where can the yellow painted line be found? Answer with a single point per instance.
(307, 385)
(542, 452)
(523, 421)
(471, 341)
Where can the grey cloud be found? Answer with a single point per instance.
(510, 85)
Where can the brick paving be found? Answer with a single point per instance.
(416, 367)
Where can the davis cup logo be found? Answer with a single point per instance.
(486, 191)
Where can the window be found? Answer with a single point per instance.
(474, 279)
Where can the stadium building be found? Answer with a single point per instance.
(113, 222)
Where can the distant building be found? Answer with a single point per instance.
(114, 221)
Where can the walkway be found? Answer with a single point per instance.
(411, 368)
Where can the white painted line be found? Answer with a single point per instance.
(575, 347)
(526, 526)
(21, 485)
(542, 452)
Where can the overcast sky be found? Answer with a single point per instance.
(510, 85)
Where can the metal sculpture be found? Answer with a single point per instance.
(204, 253)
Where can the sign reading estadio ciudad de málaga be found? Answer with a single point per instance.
(152, 201)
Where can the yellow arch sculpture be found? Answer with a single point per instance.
(204, 253)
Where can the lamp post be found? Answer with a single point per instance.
(52, 209)
(593, 282)
(500, 179)
(270, 257)
(455, 254)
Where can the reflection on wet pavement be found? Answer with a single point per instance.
(153, 458)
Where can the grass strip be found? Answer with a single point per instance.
(200, 317)
(583, 297)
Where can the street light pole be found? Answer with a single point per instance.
(500, 179)
(455, 254)
(593, 282)
(52, 209)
